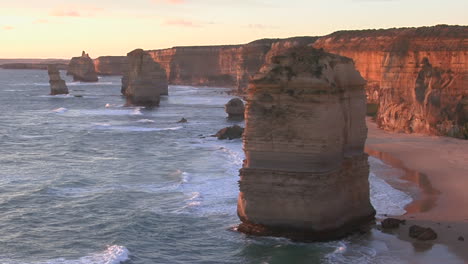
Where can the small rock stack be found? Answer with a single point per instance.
(57, 85)
(235, 109)
(82, 69)
(145, 81)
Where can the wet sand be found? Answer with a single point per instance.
(438, 166)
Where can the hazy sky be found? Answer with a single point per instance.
(63, 28)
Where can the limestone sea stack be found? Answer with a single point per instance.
(57, 85)
(144, 81)
(235, 108)
(82, 69)
(306, 173)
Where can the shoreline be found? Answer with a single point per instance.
(438, 166)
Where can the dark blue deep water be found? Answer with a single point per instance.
(87, 180)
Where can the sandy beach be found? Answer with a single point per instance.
(438, 166)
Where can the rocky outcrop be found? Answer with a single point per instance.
(422, 233)
(417, 76)
(82, 69)
(111, 65)
(57, 85)
(306, 174)
(230, 133)
(144, 81)
(235, 108)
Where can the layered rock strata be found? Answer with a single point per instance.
(111, 65)
(225, 66)
(144, 81)
(235, 108)
(82, 69)
(57, 85)
(417, 76)
(306, 174)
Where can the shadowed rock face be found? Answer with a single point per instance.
(145, 80)
(111, 65)
(235, 109)
(57, 85)
(418, 76)
(306, 174)
(82, 69)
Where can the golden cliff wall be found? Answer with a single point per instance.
(227, 66)
(418, 76)
(306, 174)
(111, 65)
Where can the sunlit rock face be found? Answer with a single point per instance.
(224, 66)
(111, 65)
(57, 85)
(144, 81)
(305, 175)
(418, 76)
(82, 69)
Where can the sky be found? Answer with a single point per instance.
(63, 28)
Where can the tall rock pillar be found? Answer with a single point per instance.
(306, 173)
(57, 85)
(145, 81)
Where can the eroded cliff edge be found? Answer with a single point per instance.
(417, 76)
(305, 175)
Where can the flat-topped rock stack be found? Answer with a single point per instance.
(82, 69)
(57, 85)
(306, 173)
(145, 81)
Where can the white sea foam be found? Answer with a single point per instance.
(110, 112)
(146, 121)
(60, 110)
(112, 255)
(90, 84)
(133, 128)
(385, 198)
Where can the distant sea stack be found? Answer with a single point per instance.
(144, 81)
(235, 109)
(417, 76)
(111, 65)
(82, 69)
(57, 85)
(306, 174)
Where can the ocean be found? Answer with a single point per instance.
(87, 180)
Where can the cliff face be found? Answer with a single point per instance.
(57, 85)
(145, 80)
(111, 65)
(418, 76)
(227, 66)
(82, 69)
(306, 173)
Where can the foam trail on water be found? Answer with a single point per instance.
(60, 110)
(112, 255)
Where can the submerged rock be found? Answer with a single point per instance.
(145, 81)
(57, 85)
(422, 233)
(306, 173)
(82, 69)
(235, 108)
(231, 132)
(391, 223)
